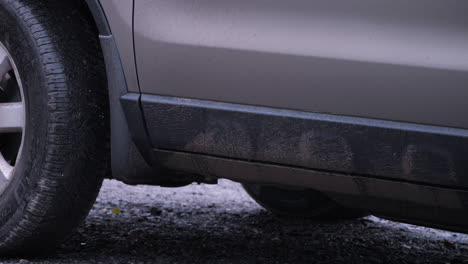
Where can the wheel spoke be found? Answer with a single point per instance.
(5, 65)
(5, 168)
(11, 117)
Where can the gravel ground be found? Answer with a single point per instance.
(221, 224)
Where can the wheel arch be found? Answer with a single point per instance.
(99, 17)
(133, 160)
(127, 162)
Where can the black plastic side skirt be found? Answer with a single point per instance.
(415, 173)
(412, 153)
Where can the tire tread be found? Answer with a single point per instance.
(61, 198)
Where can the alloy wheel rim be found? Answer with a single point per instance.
(12, 118)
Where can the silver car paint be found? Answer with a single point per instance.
(395, 60)
(119, 13)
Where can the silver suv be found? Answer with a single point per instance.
(326, 109)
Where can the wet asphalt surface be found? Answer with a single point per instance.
(221, 224)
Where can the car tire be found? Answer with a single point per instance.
(296, 202)
(55, 59)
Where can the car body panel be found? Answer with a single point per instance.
(393, 60)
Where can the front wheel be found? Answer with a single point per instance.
(299, 202)
(53, 122)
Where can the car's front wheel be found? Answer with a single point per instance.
(53, 122)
